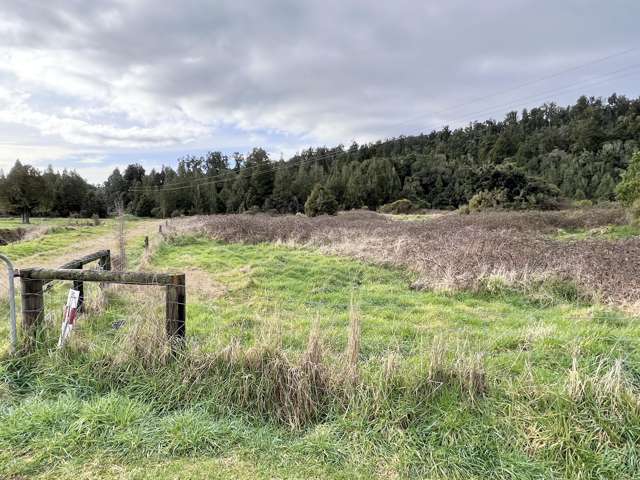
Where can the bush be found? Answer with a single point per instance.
(464, 209)
(508, 186)
(582, 203)
(398, 207)
(320, 202)
(634, 212)
(487, 199)
(628, 190)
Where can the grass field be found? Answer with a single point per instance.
(305, 364)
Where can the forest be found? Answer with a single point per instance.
(532, 159)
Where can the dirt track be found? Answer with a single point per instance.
(79, 249)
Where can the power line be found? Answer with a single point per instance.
(519, 86)
(193, 183)
(623, 72)
(215, 179)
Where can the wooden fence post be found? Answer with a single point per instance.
(175, 309)
(105, 261)
(32, 304)
(79, 286)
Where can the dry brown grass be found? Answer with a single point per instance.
(9, 235)
(457, 251)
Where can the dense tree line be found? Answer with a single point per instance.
(528, 159)
(25, 191)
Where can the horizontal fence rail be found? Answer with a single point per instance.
(106, 276)
(104, 263)
(104, 256)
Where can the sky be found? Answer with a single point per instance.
(94, 85)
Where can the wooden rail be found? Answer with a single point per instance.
(104, 262)
(33, 280)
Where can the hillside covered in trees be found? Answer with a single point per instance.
(531, 159)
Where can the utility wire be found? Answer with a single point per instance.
(216, 179)
(519, 86)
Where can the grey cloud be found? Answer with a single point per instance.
(357, 68)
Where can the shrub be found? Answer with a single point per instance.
(634, 212)
(628, 190)
(320, 202)
(464, 209)
(582, 203)
(398, 207)
(487, 199)
(510, 187)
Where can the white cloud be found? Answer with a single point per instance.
(39, 155)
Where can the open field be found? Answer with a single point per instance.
(332, 348)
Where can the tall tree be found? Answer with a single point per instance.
(24, 188)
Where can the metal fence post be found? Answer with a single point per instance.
(12, 304)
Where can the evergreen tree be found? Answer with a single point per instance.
(24, 188)
(320, 202)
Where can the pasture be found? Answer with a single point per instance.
(502, 345)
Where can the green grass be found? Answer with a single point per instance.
(62, 235)
(416, 217)
(59, 237)
(15, 222)
(611, 232)
(88, 410)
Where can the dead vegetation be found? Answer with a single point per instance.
(10, 235)
(455, 252)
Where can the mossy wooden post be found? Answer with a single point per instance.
(79, 286)
(176, 311)
(32, 304)
(104, 262)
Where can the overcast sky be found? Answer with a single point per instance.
(90, 85)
